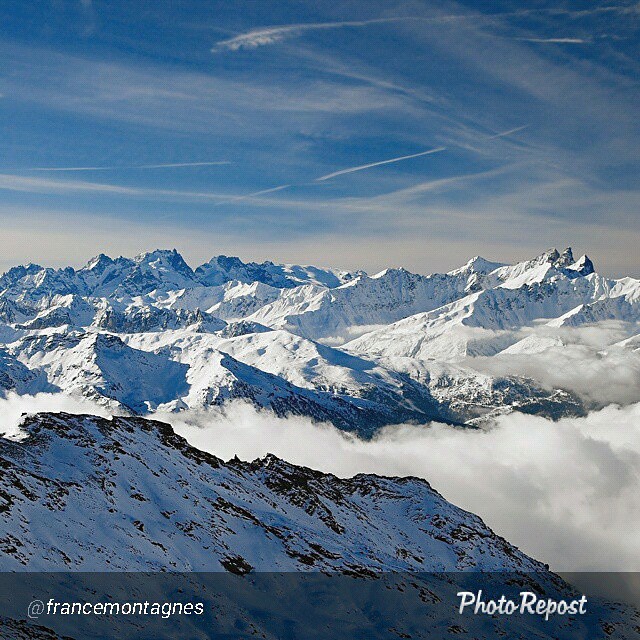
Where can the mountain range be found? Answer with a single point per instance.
(360, 351)
(150, 334)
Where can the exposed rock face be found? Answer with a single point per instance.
(86, 493)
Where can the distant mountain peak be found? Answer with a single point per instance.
(156, 253)
(221, 269)
(478, 264)
(555, 258)
(99, 263)
(583, 266)
(550, 256)
(170, 257)
(565, 258)
(391, 272)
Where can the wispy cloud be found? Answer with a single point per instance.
(273, 34)
(256, 194)
(332, 175)
(556, 40)
(283, 121)
(27, 184)
(270, 35)
(377, 164)
(89, 16)
(187, 101)
(624, 9)
(393, 198)
(135, 166)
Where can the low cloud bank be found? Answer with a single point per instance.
(586, 360)
(13, 408)
(565, 492)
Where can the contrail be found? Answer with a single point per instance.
(377, 164)
(277, 33)
(255, 193)
(509, 132)
(182, 164)
(556, 40)
(135, 166)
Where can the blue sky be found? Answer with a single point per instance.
(209, 125)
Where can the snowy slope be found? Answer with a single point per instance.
(405, 347)
(81, 493)
(290, 374)
(487, 321)
(138, 497)
(367, 300)
(101, 367)
(223, 269)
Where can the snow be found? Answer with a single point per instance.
(150, 507)
(149, 333)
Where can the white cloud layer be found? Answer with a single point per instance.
(586, 362)
(13, 409)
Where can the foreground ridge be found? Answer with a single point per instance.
(87, 493)
(287, 545)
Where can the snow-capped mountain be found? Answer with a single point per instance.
(151, 333)
(163, 270)
(82, 493)
(484, 322)
(150, 501)
(222, 269)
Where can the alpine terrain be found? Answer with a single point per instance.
(360, 351)
(81, 493)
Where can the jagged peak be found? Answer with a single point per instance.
(170, 257)
(478, 264)
(551, 257)
(267, 460)
(147, 256)
(583, 265)
(391, 271)
(23, 269)
(565, 259)
(101, 260)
